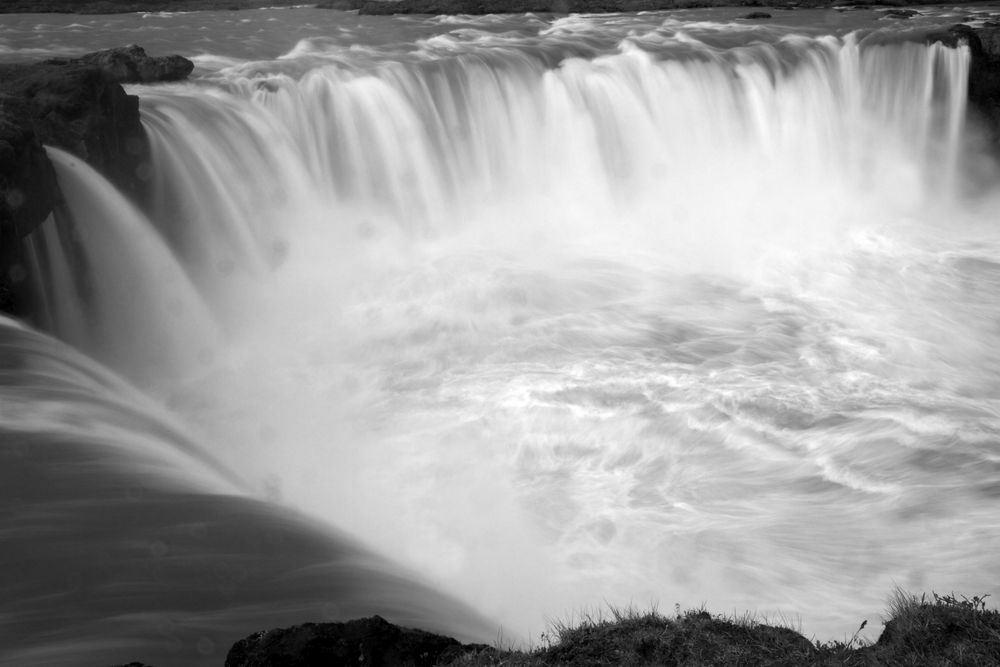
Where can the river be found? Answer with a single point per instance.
(524, 315)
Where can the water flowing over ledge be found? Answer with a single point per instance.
(79, 105)
(546, 320)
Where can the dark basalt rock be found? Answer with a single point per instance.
(372, 642)
(28, 191)
(130, 64)
(899, 14)
(342, 5)
(80, 106)
(989, 39)
(984, 71)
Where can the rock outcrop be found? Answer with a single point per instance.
(984, 71)
(373, 642)
(130, 64)
(28, 191)
(78, 105)
(947, 630)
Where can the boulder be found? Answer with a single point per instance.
(130, 64)
(372, 642)
(77, 108)
(80, 106)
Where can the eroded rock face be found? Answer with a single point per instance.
(80, 106)
(989, 38)
(984, 72)
(984, 80)
(76, 107)
(29, 190)
(373, 642)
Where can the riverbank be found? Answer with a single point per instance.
(127, 6)
(426, 6)
(926, 630)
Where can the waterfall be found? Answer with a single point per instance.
(120, 294)
(552, 323)
(582, 148)
(123, 535)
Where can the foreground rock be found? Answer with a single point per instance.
(946, 630)
(372, 642)
(80, 106)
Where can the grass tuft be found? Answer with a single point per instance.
(949, 629)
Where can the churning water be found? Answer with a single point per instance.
(553, 312)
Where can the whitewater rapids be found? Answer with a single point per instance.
(559, 313)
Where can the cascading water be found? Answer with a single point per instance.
(122, 535)
(122, 297)
(595, 310)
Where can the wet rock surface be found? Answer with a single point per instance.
(131, 64)
(984, 72)
(80, 106)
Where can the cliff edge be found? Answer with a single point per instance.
(78, 105)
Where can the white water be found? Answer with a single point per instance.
(122, 537)
(120, 294)
(677, 321)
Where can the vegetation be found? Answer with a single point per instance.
(947, 630)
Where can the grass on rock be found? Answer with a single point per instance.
(919, 632)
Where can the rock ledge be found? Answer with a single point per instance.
(80, 106)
